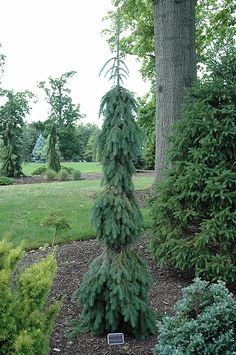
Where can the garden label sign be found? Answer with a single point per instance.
(115, 338)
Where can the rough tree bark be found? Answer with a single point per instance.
(174, 28)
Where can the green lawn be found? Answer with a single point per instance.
(23, 209)
(28, 168)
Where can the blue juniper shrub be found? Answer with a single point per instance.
(204, 322)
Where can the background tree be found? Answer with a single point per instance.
(52, 154)
(114, 290)
(63, 112)
(2, 62)
(214, 19)
(38, 149)
(30, 132)
(84, 132)
(146, 120)
(90, 152)
(11, 122)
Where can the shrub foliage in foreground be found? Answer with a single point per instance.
(204, 322)
(25, 319)
(194, 213)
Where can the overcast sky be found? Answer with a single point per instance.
(44, 38)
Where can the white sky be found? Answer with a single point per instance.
(43, 38)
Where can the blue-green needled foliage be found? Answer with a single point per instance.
(114, 290)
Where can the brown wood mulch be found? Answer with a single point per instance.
(73, 261)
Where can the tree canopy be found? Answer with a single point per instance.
(214, 18)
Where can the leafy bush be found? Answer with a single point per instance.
(76, 174)
(25, 319)
(40, 171)
(204, 322)
(68, 169)
(194, 213)
(62, 175)
(5, 181)
(50, 174)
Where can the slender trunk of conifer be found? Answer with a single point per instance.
(174, 27)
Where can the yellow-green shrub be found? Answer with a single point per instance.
(25, 319)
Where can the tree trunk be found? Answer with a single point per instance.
(174, 28)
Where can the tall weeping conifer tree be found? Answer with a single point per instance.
(11, 165)
(114, 290)
(53, 158)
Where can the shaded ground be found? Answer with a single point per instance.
(73, 260)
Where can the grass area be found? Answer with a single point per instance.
(23, 209)
(28, 168)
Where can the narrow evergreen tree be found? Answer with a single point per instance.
(12, 115)
(114, 290)
(53, 158)
(11, 165)
(38, 148)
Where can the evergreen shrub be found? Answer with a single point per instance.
(194, 212)
(26, 320)
(40, 171)
(5, 181)
(68, 169)
(50, 174)
(76, 174)
(204, 322)
(62, 175)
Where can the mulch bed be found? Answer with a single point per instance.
(40, 179)
(73, 261)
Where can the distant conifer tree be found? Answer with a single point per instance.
(37, 151)
(11, 165)
(12, 115)
(114, 290)
(53, 158)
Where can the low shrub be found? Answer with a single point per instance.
(25, 320)
(204, 322)
(5, 181)
(68, 169)
(50, 174)
(76, 174)
(62, 175)
(58, 222)
(41, 170)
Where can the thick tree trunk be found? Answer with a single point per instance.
(174, 27)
